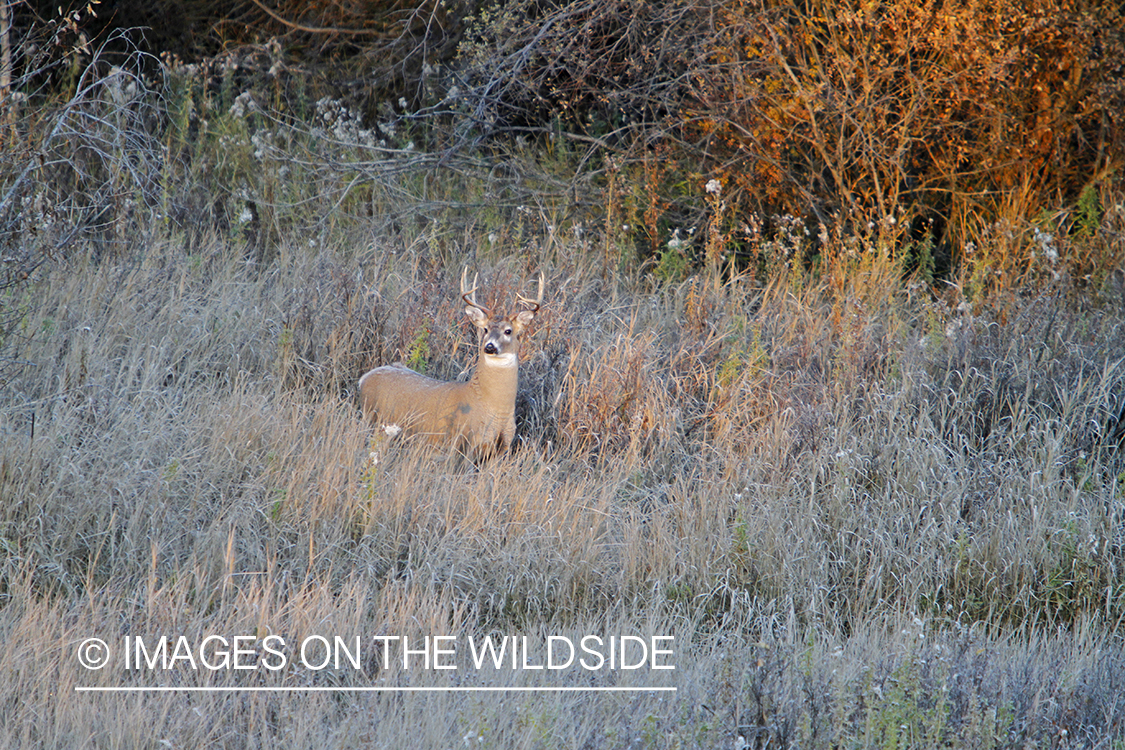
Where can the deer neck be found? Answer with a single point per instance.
(496, 379)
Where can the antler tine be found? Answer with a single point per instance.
(470, 295)
(534, 305)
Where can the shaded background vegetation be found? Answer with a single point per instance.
(920, 126)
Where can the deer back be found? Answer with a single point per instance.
(477, 416)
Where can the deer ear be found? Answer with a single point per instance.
(523, 320)
(480, 320)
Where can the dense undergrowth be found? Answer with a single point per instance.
(877, 505)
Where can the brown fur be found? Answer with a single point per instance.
(476, 417)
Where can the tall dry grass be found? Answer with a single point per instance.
(867, 519)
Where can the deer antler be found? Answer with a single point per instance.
(470, 295)
(475, 417)
(533, 305)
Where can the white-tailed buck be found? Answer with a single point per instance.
(476, 417)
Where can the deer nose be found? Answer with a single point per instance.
(490, 348)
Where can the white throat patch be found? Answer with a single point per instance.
(501, 360)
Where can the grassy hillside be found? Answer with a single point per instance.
(904, 526)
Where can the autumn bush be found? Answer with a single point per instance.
(897, 120)
(927, 129)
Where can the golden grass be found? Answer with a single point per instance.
(866, 520)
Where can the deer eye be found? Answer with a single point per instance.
(507, 331)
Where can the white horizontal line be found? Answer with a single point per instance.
(370, 689)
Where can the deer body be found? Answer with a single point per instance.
(476, 417)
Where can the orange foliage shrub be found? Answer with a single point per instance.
(975, 110)
(964, 112)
